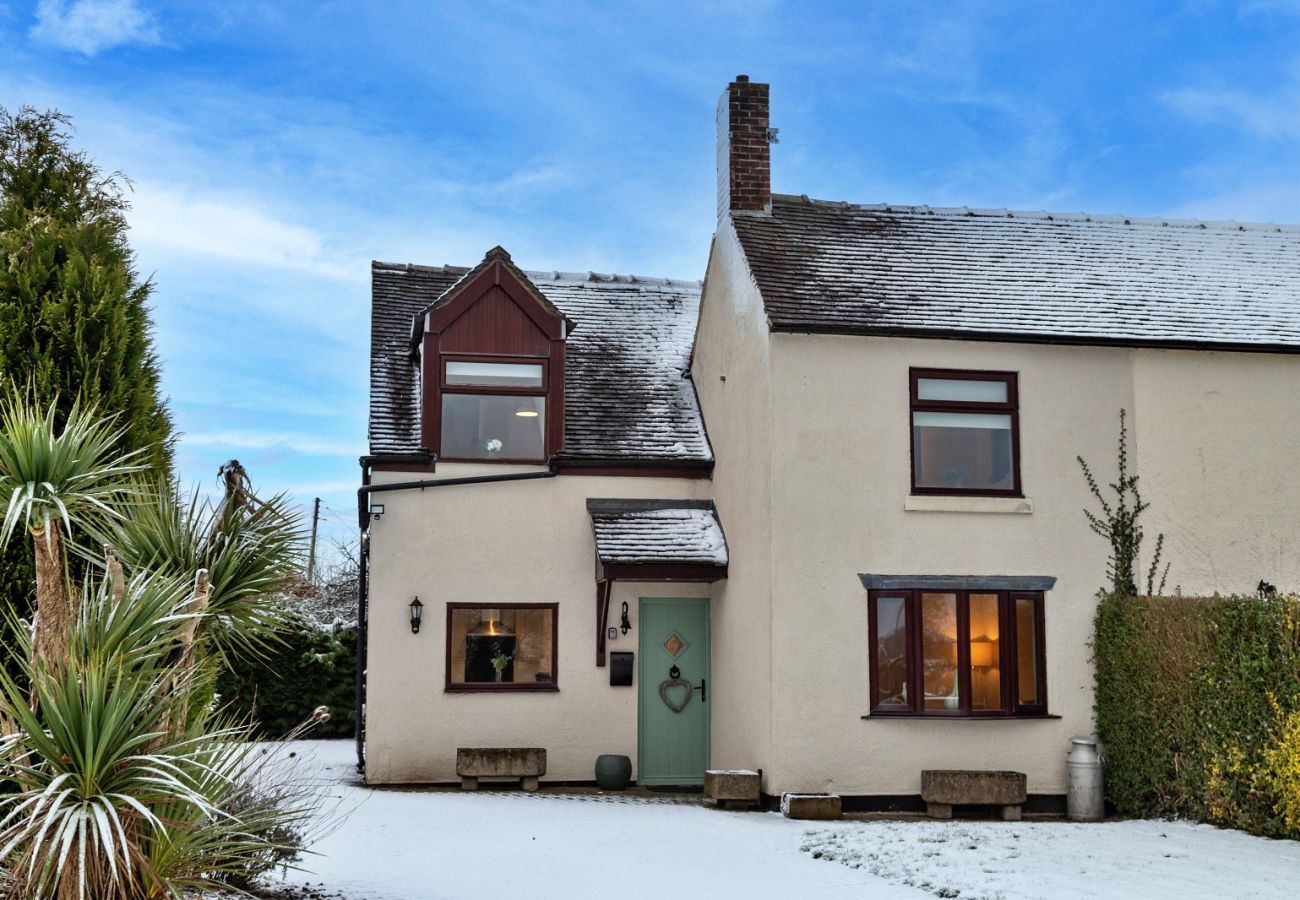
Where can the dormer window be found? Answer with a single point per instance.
(492, 357)
(493, 409)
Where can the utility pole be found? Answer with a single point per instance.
(311, 556)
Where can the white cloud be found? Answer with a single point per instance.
(1269, 7)
(89, 26)
(311, 445)
(1269, 114)
(224, 226)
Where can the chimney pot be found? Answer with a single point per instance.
(743, 79)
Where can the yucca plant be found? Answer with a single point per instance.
(54, 479)
(253, 558)
(120, 793)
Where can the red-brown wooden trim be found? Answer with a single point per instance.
(1040, 707)
(496, 274)
(540, 391)
(403, 467)
(566, 467)
(430, 392)
(492, 687)
(663, 572)
(1011, 407)
(554, 437)
(603, 589)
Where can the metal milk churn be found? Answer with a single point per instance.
(1083, 801)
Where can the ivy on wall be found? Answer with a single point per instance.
(1198, 707)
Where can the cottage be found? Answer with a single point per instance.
(820, 516)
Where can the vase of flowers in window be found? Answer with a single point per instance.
(499, 663)
(492, 447)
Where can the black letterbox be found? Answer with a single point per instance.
(620, 669)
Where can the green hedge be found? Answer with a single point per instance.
(315, 665)
(1198, 706)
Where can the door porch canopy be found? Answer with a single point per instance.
(653, 540)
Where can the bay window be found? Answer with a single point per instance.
(957, 653)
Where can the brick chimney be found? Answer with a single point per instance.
(744, 150)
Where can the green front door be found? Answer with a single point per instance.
(673, 707)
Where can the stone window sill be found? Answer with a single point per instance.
(939, 503)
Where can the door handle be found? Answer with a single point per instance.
(703, 688)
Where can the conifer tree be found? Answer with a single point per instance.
(74, 318)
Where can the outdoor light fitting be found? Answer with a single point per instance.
(377, 510)
(417, 611)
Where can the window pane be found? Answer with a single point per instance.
(939, 651)
(965, 390)
(507, 646)
(494, 374)
(962, 451)
(985, 653)
(492, 426)
(1027, 639)
(891, 652)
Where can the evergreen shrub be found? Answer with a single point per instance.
(307, 666)
(1198, 708)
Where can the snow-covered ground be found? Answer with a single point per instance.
(411, 845)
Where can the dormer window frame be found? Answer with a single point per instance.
(543, 390)
(495, 313)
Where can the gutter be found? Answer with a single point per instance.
(363, 583)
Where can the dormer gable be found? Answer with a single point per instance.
(492, 367)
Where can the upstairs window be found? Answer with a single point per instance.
(965, 433)
(957, 653)
(493, 409)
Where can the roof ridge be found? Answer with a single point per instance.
(376, 264)
(546, 276)
(1044, 215)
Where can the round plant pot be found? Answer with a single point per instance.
(613, 773)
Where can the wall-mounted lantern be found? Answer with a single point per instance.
(417, 611)
(376, 509)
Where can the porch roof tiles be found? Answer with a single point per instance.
(657, 532)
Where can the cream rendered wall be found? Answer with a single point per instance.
(730, 370)
(840, 457)
(525, 542)
(1218, 437)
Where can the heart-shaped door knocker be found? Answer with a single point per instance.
(685, 689)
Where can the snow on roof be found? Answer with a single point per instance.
(1036, 276)
(658, 532)
(628, 397)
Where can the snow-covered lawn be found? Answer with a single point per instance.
(411, 845)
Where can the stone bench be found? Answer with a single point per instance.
(728, 788)
(527, 764)
(942, 789)
(819, 807)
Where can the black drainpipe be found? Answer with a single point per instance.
(363, 586)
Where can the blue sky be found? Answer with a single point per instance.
(276, 148)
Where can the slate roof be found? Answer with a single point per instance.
(994, 274)
(627, 395)
(657, 532)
